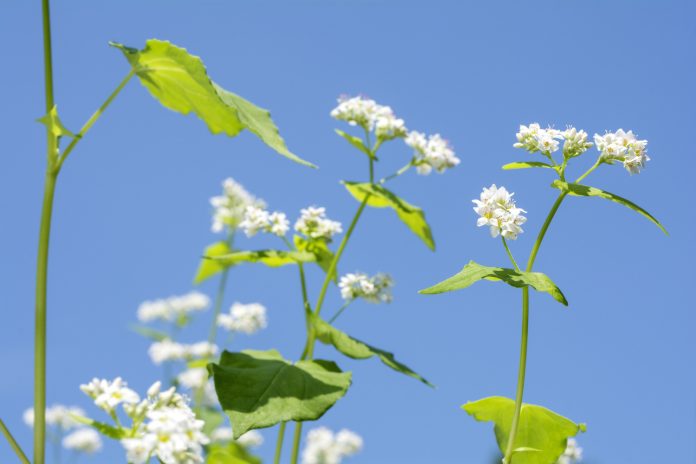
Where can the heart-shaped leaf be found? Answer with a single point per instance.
(180, 82)
(585, 191)
(354, 348)
(473, 272)
(259, 389)
(380, 197)
(541, 436)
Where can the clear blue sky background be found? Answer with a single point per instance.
(132, 214)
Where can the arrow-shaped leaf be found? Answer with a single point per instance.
(180, 82)
(380, 197)
(354, 348)
(357, 143)
(585, 191)
(527, 165)
(209, 267)
(271, 258)
(474, 272)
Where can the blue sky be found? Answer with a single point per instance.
(132, 214)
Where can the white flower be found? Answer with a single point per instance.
(375, 289)
(497, 210)
(168, 350)
(314, 224)
(535, 139)
(624, 147)
(193, 378)
(139, 450)
(174, 308)
(251, 439)
(431, 152)
(83, 440)
(366, 113)
(228, 208)
(245, 318)
(56, 416)
(259, 220)
(109, 394)
(323, 447)
(572, 454)
(575, 143)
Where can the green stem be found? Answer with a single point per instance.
(220, 296)
(297, 437)
(340, 311)
(95, 116)
(13, 443)
(401, 171)
(525, 316)
(509, 253)
(279, 443)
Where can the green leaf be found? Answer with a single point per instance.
(148, 332)
(259, 389)
(54, 124)
(209, 267)
(271, 258)
(585, 191)
(526, 165)
(357, 143)
(541, 435)
(320, 249)
(473, 272)
(180, 82)
(354, 348)
(379, 197)
(230, 453)
(105, 429)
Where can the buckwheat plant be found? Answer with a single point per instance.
(259, 389)
(180, 82)
(529, 433)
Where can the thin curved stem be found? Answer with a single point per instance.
(340, 311)
(279, 443)
(509, 253)
(597, 164)
(401, 171)
(95, 116)
(13, 443)
(220, 296)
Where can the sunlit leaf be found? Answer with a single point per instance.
(357, 143)
(585, 191)
(541, 435)
(230, 453)
(209, 267)
(380, 197)
(105, 429)
(54, 124)
(354, 348)
(319, 248)
(180, 82)
(526, 165)
(473, 272)
(271, 258)
(259, 389)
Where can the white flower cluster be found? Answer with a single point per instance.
(245, 318)
(174, 308)
(168, 350)
(497, 209)
(572, 454)
(325, 447)
(375, 289)
(251, 439)
(83, 440)
(257, 219)
(164, 426)
(431, 152)
(109, 394)
(314, 224)
(535, 139)
(62, 418)
(624, 147)
(228, 208)
(58, 416)
(367, 113)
